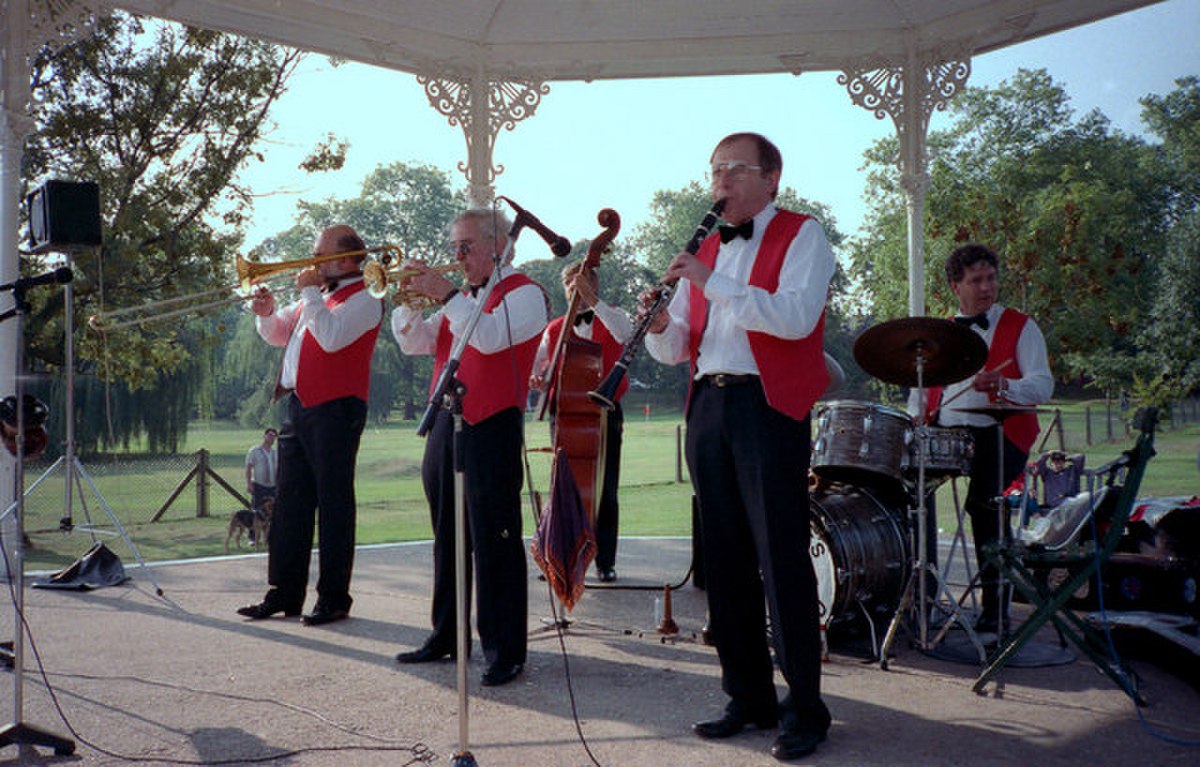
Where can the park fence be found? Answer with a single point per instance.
(138, 488)
(149, 488)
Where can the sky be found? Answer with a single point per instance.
(613, 144)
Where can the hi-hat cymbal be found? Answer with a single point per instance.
(1002, 410)
(889, 351)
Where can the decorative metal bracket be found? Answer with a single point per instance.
(896, 91)
(482, 107)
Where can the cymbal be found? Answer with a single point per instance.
(888, 351)
(1002, 410)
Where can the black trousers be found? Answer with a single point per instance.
(608, 513)
(318, 448)
(491, 456)
(749, 467)
(988, 479)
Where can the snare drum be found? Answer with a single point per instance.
(949, 452)
(860, 442)
(859, 550)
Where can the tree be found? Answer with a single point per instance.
(1072, 209)
(162, 117)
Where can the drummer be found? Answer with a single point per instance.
(1016, 373)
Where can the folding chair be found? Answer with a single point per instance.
(1022, 563)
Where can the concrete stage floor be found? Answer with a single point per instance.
(181, 679)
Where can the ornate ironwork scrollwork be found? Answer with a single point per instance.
(505, 104)
(881, 90)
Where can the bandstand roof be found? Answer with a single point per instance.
(607, 39)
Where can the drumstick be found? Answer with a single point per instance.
(960, 392)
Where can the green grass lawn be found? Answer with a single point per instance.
(391, 501)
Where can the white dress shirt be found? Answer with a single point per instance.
(1034, 386)
(735, 307)
(516, 319)
(333, 329)
(616, 320)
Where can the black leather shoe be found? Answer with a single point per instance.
(795, 745)
(606, 575)
(427, 654)
(268, 607)
(322, 615)
(731, 723)
(500, 673)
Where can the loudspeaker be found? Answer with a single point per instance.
(63, 214)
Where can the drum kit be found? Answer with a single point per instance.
(875, 467)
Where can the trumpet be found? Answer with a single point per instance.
(250, 274)
(378, 278)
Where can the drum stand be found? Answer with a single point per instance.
(921, 567)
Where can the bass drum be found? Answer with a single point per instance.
(860, 552)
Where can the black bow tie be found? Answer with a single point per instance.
(976, 319)
(584, 317)
(728, 233)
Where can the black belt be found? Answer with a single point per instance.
(721, 380)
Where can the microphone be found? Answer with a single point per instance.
(62, 275)
(559, 246)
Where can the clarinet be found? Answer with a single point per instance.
(607, 390)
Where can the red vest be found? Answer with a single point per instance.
(610, 348)
(1020, 429)
(792, 370)
(494, 381)
(325, 376)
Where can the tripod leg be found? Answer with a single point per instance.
(81, 472)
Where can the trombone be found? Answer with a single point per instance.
(378, 278)
(249, 274)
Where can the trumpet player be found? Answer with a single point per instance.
(328, 338)
(495, 368)
(748, 315)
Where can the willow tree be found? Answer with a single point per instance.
(163, 117)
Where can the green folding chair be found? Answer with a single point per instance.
(1024, 565)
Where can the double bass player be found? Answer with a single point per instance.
(608, 328)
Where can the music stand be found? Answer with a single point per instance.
(73, 468)
(18, 732)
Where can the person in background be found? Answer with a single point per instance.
(328, 338)
(261, 461)
(495, 369)
(609, 327)
(748, 314)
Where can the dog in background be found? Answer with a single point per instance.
(252, 523)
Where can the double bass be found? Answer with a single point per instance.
(576, 368)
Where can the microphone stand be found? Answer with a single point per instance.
(17, 732)
(448, 393)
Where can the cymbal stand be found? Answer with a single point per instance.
(921, 567)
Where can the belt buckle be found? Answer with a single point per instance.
(720, 380)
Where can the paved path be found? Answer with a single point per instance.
(182, 679)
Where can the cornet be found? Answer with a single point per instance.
(249, 275)
(378, 278)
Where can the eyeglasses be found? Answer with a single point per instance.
(734, 170)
